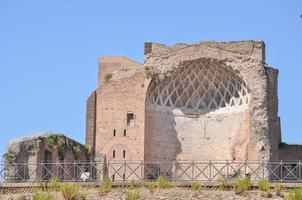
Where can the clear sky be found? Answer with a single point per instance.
(49, 51)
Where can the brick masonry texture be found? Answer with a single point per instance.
(167, 128)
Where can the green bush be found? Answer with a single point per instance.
(106, 185)
(76, 149)
(163, 183)
(294, 194)
(61, 141)
(50, 142)
(132, 195)
(242, 185)
(196, 186)
(278, 189)
(108, 77)
(42, 196)
(72, 192)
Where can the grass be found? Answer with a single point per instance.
(242, 185)
(43, 196)
(132, 195)
(106, 185)
(72, 192)
(294, 194)
(132, 185)
(108, 77)
(263, 185)
(278, 189)
(151, 186)
(54, 184)
(196, 186)
(223, 183)
(163, 183)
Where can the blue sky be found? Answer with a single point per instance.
(49, 51)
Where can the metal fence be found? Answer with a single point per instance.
(177, 171)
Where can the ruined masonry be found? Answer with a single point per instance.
(207, 101)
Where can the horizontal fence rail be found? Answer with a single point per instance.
(177, 171)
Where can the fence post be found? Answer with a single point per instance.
(193, 166)
(142, 170)
(210, 163)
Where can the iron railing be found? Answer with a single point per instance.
(177, 171)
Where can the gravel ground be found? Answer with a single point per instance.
(160, 194)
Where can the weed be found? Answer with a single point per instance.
(163, 183)
(242, 185)
(106, 185)
(9, 157)
(196, 186)
(71, 192)
(223, 183)
(50, 142)
(132, 185)
(34, 150)
(263, 185)
(43, 196)
(61, 141)
(108, 77)
(54, 184)
(132, 195)
(278, 189)
(151, 186)
(294, 194)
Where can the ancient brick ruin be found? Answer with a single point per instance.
(207, 101)
(211, 101)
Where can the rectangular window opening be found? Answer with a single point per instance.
(114, 132)
(130, 118)
(124, 153)
(125, 132)
(113, 154)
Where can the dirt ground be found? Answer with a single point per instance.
(159, 194)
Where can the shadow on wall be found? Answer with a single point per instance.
(161, 141)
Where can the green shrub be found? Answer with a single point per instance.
(163, 183)
(42, 196)
(132, 184)
(9, 157)
(106, 185)
(76, 149)
(72, 192)
(278, 189)
(196, 186)
(294, 194)
(132, 195)
(54, 184)
(242, 185)
(108, 77)
(50, 142)
(34, 150)
(61, 141)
